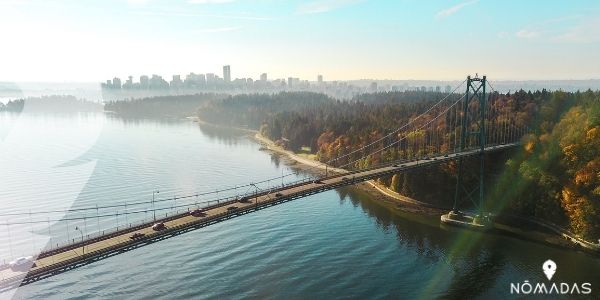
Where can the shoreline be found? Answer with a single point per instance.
(371, 187)
(308, 164)
(560, 237)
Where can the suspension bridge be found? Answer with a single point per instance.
(457, 127)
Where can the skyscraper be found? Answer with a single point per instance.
(210, 78)
(176, 82)
(227, 73)
(128, 83)
(116, 83)
(144, 82)
(320, 79)
(263, 77)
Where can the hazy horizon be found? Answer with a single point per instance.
(69, 41)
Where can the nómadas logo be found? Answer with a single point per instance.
(555, 288)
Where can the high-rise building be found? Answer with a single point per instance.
(227, 73)
(116, 83)
(448, 89)
(176, 81)
(263, 77)
(157, 82)
(210, 78)
(290, 80)
(144, 82)
(128, 83)
(202, 79)
(320, 79)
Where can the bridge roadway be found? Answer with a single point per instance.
(62, 259)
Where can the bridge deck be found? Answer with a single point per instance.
(68, 257)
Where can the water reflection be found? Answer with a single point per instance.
(228, 136)
(138, 121)
(463, 263)
(275, 159)
(343, 244)
(470, 264)
(475, 276)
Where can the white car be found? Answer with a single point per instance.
(21, 261)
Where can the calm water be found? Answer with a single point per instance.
(338, 244)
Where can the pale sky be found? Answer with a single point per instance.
(84, 40)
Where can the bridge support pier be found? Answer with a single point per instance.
(472, 124)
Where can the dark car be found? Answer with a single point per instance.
(244, 200)
(232, 208)
(278, 194)
(137, 235)
(317, 181)
(158, 226)
(197, 212)
(345, 178)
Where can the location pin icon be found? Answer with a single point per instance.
(549, 268)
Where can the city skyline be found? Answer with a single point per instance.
(342, 39)
(155, 85)
(203, 78)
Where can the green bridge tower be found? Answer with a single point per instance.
(472, 125)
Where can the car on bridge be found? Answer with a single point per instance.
(232, 208)
(159, 226)
(137, 236)
(278, 194)
(197, 212)
(244, 199)
(22, 263)
(318, 182)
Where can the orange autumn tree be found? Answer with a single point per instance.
(556, 177)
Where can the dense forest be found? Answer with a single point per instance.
(55, 103)
(252, 110)
(554, 177)
(315, 120)
(161, 106)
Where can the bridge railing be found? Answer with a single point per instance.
(173, 213)
(176, 211)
